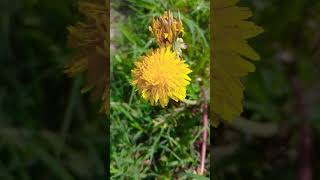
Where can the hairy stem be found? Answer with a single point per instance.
(204, 138)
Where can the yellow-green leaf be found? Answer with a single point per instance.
(231, 54)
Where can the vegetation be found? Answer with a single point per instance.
(151, 141)
(48, 130)
(278, 134)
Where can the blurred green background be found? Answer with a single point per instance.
(278, 135)
(48, 130)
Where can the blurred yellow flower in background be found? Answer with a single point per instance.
(161, 75)
(89, 39)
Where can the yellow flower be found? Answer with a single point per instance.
(166, 29)
(161, 75)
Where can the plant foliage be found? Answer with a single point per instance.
(150, 142)
(231, 55)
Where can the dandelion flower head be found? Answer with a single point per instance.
(161, 75)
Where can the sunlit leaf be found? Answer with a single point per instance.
(231, 54)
